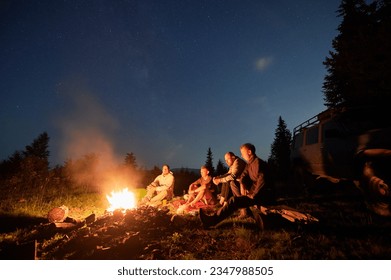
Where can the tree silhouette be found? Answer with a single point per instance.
(39, 147)
(358, 70)
(11, 165)
(130, 161)
(35, 162)
(28, 168)
(209, 162)
(280, 151)
(221, 168)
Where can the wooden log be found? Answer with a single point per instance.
(58, 214)
(66, 225)
(90, 219)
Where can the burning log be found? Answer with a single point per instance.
(90, 219)
(124, 199)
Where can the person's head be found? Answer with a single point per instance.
(165, 169)
(229, 158)
(204, 171)
(247, 151)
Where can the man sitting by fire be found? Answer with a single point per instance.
(161, 188)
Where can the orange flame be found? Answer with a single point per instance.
(124, 200)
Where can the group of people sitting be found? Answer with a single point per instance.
(241, 187)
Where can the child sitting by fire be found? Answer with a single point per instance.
(201, 190)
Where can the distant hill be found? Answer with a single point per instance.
(192, 170)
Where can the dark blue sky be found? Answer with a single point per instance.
(165, 80)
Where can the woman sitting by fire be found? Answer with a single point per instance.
(161, 188)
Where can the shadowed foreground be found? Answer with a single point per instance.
(345, 231)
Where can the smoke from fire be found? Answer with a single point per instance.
(88, 145)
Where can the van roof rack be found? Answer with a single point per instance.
(326, 114)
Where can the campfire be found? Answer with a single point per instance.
(122, 200)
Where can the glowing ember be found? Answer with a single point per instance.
(121, 200)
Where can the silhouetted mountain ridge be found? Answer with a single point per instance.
(192, 170)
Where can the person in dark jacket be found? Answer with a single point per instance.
(252, 182)
(229, 181)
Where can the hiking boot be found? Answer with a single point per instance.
(208, 221)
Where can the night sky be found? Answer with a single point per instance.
(164, 80)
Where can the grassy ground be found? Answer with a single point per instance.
(81, 202)
(346, 230)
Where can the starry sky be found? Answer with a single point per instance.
(164, 80)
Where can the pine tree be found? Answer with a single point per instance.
(11, 166)
(36, 155)
(209, 162)
(33, 166)
(221, 168)
(130, 161)
(359, 72)
(280, 150)
(39, 148)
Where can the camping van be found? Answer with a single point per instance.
(346, 144)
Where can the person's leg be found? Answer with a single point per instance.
(159, 197)
(199, 196)
(150, 192)
(235, 188)
(191, 194)
(234, 203)
(241, 190)
(224, 195)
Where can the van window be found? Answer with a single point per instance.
(298, 140)
(312, 135)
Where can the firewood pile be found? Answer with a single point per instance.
(143, 233)
(135, 234)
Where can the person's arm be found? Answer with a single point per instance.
(201, 190)
(155, 183)
(203, 184)
(193, 186)
(235, 171)
(259, 169)
(243, 179)
(218, 179)
(166, 183)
